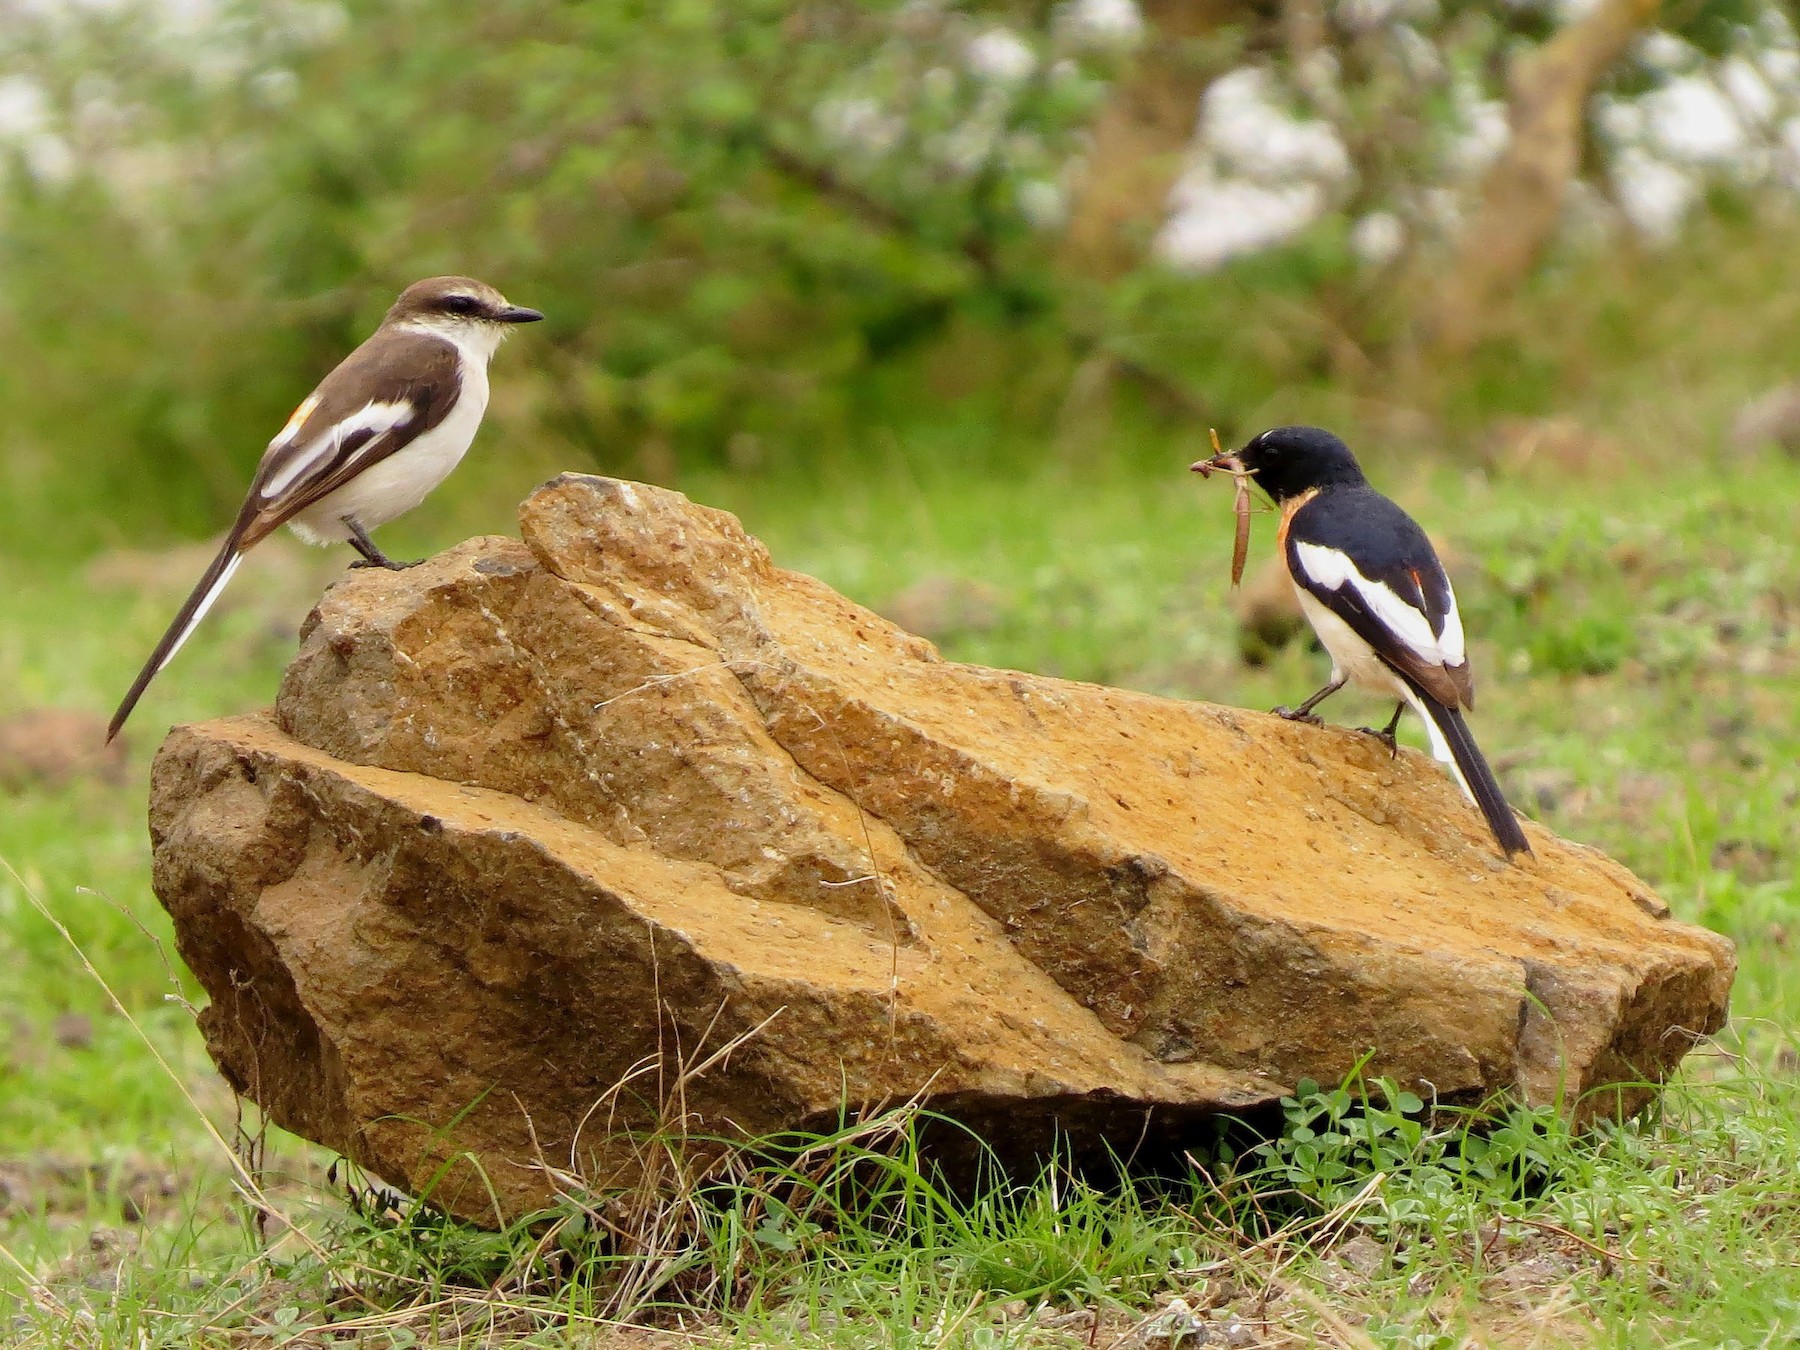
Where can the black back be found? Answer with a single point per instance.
(1387, 544)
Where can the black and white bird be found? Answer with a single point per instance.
(379, 433)
(1371, 586)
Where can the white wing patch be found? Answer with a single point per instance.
(320, 455)
(1333, 570)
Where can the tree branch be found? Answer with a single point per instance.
(1522, 193)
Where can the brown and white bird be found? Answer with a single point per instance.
(378, 434)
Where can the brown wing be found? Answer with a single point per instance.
(395, 387)
(1464, 680)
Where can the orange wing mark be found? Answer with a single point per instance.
(296, 421)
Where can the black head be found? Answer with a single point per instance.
(1288, 461)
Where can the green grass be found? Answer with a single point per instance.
(1639, 648)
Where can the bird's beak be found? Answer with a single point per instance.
(518, 314)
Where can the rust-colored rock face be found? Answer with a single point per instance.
(533, 819)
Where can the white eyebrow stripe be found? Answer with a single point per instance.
(1334, 570)
(322, 451)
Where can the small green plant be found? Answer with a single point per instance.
(1333, 1139)
(1375, 1141)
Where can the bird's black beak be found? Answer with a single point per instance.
(518, 314)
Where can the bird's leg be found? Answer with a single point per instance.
(371, 556)
(1304, 713)
(1386, 734)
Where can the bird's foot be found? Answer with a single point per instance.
(1294, 715)
(1386, 737)
(387, 563)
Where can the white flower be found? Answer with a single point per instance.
(1360, 16)
(1000, 55)
(21, 107)
(1377, 238)
(1781, 67)
(1621, 119)
(1256, 138)
(1568, 11)
(1691, 119)
(276, 87)
(858, 124)
(970, 144)
(1664, 51)
(1654, 194)
(1103, 23)
(1218, 219)
(1749, 90)
(1420, 56)
(1043, 204)
(1484, 131)
(1441, 209)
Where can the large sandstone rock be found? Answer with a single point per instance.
(536, 819)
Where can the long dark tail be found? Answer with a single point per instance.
(1475, 774)
(193, 610)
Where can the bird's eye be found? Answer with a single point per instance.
(461, 304)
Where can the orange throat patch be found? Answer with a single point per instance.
(1289, 509)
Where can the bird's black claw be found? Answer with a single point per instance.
(1387, 738)
(1311, 719)
(388, 563)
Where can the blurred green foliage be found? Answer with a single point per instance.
(767, 234)
(732, 210)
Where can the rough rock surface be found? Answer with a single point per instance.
(535, 819)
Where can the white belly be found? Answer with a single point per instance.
(395, 485)
(1353, 657)
(1350, 655)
